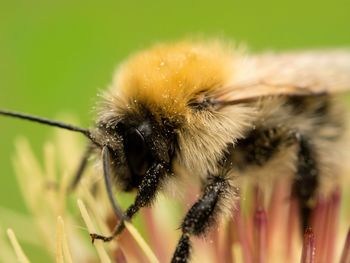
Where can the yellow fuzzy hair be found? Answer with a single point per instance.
(168, 76)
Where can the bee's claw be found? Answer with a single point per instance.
(97, 236)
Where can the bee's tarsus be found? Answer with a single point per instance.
(117, 230)
(100, 237)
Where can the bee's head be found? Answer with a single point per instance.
(158, 93)
(136, 141)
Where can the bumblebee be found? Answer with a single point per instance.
(206, 110)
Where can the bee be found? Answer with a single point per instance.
(216, 113)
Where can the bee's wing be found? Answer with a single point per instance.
(300, 73)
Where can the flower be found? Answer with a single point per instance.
(258, 231)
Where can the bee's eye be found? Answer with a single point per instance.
(136, 151)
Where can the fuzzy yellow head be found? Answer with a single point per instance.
(166, 77)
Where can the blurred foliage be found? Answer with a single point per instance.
(55, 56)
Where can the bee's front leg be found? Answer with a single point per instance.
(202, 215)
(146, 193)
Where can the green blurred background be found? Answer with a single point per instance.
(56, 55)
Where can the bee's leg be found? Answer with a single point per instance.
(306, 180)
(147, 190)
(81, 168)
(145, 195)
(201, 216)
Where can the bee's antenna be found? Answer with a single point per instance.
(59, 124)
